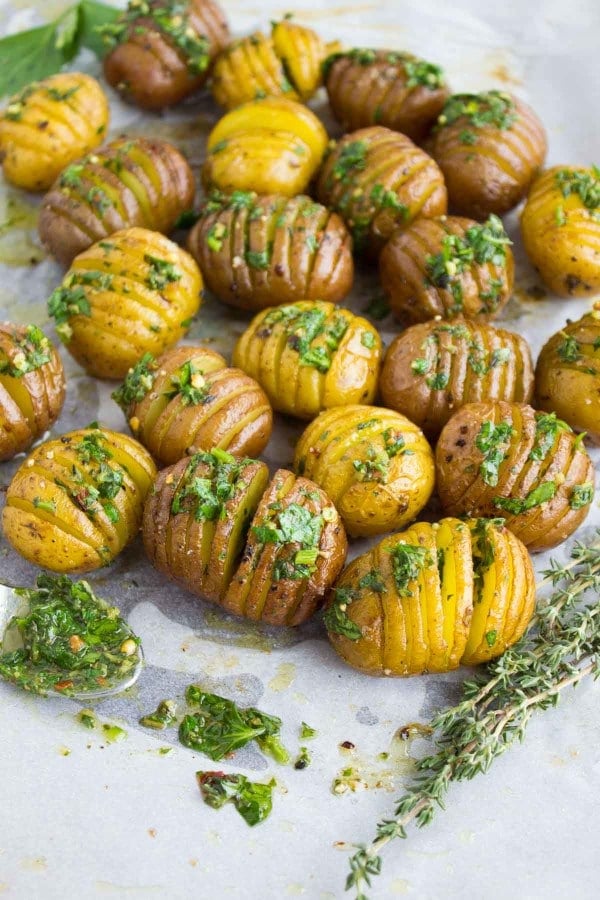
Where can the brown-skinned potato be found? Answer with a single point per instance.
(259, 251)
(506, 459)
(448, 267)
(78, 500)
(434, 368)
(378, 180)
(431, 598)
(385, 87)
(567, 375)
(32, 387)
(188, 399)
(268, 552)
(157, 58)
(489, 146)
(131, 181)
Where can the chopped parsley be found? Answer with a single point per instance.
(216, 236)
(205, 496)
(569, 349)
(336, 617)
(547, 428)
(59, 96)
(163, 716)
(190, 384)
(306, 732)
(368, 339)
(373, 581)
(32, 351)
(259, 259)
(517, 505)
(493, 442)
(408, 561)
(161, 273)
(138, 381)
(352, 158)
(294, 524)
(585, 184)
(304, 326)
(581, 495)
(252, 799)
(493, 108)
(46, 505)
(71, 177)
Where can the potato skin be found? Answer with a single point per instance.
(311, 356)
(261, 588)
(419, 287)
(271, 146)
(567, 375)
(378, 180)
(384, 87)
(50, 124)
(189, 400)
(77, 501)
(465, 593)
(159, 56)
(560, 234)
(488, 168)
(32, 387)
(121, 298)
(255, 252)
(129, 182)
(532, 449)
(433, 369)
(375, 465)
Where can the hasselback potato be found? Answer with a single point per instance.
(188, 399)
(374, 464)
(447, 267)
(567, 375)
(311, 356)
(431, 598)
(385, 87)
(267, 552)
(271, 146)
(506, 459)
(160, 51)
(378, 180)
(50, 124)
(32, 387)
(286, 64)
(560, 225)
(434, 368)
(77, 501)
(489, 147)
(123, 297)
(262, 251)
(131, 181)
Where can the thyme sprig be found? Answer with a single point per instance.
(559, 650)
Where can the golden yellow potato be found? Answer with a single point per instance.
(131, 181)
(50, 124)
(560, 225)
(271, 146)
(77, 501)
(431, 598)
(374, 463)
(311, 356)
(32, 387)
(506, 459)
(567, 375)
(188, 399)
(132, 294)
(448, 267)
(378, 180)
(286, 64)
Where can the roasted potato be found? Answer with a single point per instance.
(160, 51)
(374, 464)
(123, 297)
(311, 356)
(271, 146)
(431, 598)
(32, 387)
(489, 147)
(77, 501)
(286, 64)
(131, 181)
(567, 376)
(384, 87)
(447, 267)
(433, 369)
(506, 459)
(378, 180)
(188, 400)
(50, 124)
(267, 553)
(560, 224)
(256, 252)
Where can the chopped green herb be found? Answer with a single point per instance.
(585, 184)
(190, 384)
(46, 505)
(438, 382)
(258, 259)
(373, 581)
(468, 137)
(420, 365)
(494, 108)
(581, 495)
(336, 618)
(216, 236)
(491, 637)
(547, 428)
(205, 497)
(303, 760)
(33, 351)
(368, 339)
(306, 732)
(87, 718)
(71, 176)
(312, 243)
(560, 217)
(351, 159)
(517, 505)
(163, 716)
(303, 327)
(161, 273)
(569, 349)
(138, 382)
(252, 799)
(493, 442)
(408, 561)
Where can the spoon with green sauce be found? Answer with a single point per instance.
(60, 638)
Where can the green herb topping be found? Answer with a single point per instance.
(252, 799)
(216, 237)
(517, 505)
(569, 349)
(138, 381)
(581, 495)
(294, 524)
(190, 384)
(352, 158)
(493, 442)
(306, 732)
(336, 617)
(408, 561)
(585, 184)
(493, 108)
(163, 716)
(33, 351)
(376, 464)
(373, 581)
(483, 550)
(205, 497)
(73, 642)
(547, 429)
(303, 760)
(304, 326)
(161, 273)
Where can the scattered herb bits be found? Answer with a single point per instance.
(252, 799)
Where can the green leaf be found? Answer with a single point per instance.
(92, 16)
(29, 56)
(67, 33)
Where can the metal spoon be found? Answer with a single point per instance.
(11, 604)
